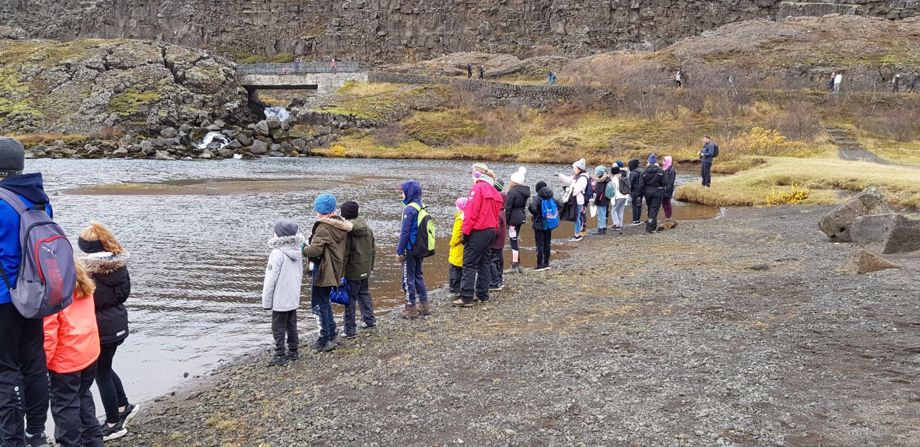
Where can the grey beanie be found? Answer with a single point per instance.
(285, 228)
(12, 157)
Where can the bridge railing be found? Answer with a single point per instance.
(301, 68)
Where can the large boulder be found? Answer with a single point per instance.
(836, 224)
(886, 233)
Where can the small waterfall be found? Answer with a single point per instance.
(277, 112)
(210, 137)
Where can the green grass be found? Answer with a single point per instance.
(129, 102)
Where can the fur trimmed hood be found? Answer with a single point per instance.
(104, 263)
(336, 222)
(289, 245)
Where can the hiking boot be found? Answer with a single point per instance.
(409, 312)
(364, 325)
(278, 360)
(130, 412)
(336, 339)
(113, 432)
(496, 288)
(39, 440)
(483, 300)
(351, 335)
(460, 302)
(293, 356)
(323, 345)
(424, 309)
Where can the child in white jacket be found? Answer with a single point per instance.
(281, 292)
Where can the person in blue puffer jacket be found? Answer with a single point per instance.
(413, 281)
(23, 372)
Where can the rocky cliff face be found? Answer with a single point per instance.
(396, 30)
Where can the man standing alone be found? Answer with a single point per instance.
(709, 152)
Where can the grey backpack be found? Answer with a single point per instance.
(47, 272)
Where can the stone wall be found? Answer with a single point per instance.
(396, 30)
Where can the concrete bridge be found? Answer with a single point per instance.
(320, 78)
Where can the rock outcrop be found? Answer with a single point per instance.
(836, 224)
(886, 233)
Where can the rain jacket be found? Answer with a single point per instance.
(72, 337)
(536, 206)
(483, 208)
(515, 204)
(501, 230)
(327, 250)
(652, 180)
(30, 190)
(709, 150)
(283, 274)
(359, 250)
(113, 286)
(409, 230)
(456, 236)
(670, 178)
(634, 179)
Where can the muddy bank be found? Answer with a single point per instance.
(746, 330)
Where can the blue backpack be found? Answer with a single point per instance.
(550, 212)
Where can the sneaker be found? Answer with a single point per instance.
(293, 356)
(483, 300)
(336, 340)
(541, 268)
(130, 412)
(323, 346)
(347, 335)
(575, 239)
(364, 325)
(39, 440)
(110, 432)
(635, 223)
(459, 302)
(496, 288)
(278, 360)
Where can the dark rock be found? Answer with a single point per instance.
(258, 147)
(275, 154)
(836, 223)
(261, 128)
(244, 138)
(299, 143)
(866, 262)
(886, 233)
(169, 132)
(164, 155)
(273, 123)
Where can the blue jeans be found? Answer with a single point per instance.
(578, 210)
(413, 282)
(322, 308)
(601, 217)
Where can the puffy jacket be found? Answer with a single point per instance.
(483, 208)
(359, 250)
(600, 187)
(634, 178)
(536, 206)
(652, 180)
(579, 185)
(113, 287)
(30, 190)
(283, 274)
(501, 231)
(72, 337)
(327, 250)
(515, 204)
(670, 177)
(408, 232)
(456, 247)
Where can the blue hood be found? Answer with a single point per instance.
(29, 186)
(413, 191)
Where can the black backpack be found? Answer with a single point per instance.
(623, 186)
(715, 150)
(589, 189)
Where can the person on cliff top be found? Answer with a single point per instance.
(482, 72)
(544, 210)
(456, 248)
(413, 279)
(360, 247)
(670, 178)
(707, 154)
(106, 263)
(652, 184)
(281, 289)
(602, 197)
(469, 71)
(515, 213)
(621, 195)
(496, 249)
(579, 184)
(326, 251)
(334, 65)
(23, 370)
(71, 341)
(635, 192)
(479, 226)
(838, 79)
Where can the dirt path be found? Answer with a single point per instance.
(850, 149)
(746, 330)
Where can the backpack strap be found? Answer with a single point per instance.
(13, 200)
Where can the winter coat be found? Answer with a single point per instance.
(483, 208)
(72, 337)
(635, 182)
(708, 152)
(409, 230)
(515, 204)
(30, 190)
(670, 177)
(579, 185)
(616, 187)
(284, 274)
(536, 206)
(359, 250)
(501, 233)
(600, 187)
(652, 180)
(326, 250)
(456, 236)
(113, 286)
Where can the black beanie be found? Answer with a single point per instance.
(350, 210)
(633, 164)
(12, 157)
(540, 185)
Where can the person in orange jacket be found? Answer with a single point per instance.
(71, 350)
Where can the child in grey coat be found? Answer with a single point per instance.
(281, 291)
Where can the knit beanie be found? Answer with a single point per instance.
(499, 185)
(540, 185)
(324, 204)
(633, 164)
(580, 164)
(619, 164)
(615, 170)
(12, 157)
(285, 228)
(600, 171)
(461, 203)
(668, 161)
(519, 176)
(652, 159)
(350, 210)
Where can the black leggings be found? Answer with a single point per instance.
(111, 391)
(514, 240)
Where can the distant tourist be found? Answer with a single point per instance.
(455, 258)
(515, 213)
(621, 195)
(469, 71)
(830, 82)
(634, 179)
(360, 248)
(838, 79)
(652, 185)
(545, 216)
(326, 252)
(482, 72)
(896, 83)
(603, 193)
(410, 235)
(914, 82)
(551, 78)
(577, 185)
(334, 65)
(709, 152)
(281, 289)
(679, 79)
(670, 177)
(479, 227)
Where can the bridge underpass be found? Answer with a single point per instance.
(320, 79)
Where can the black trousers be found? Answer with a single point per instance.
(477, 261)
(285, 323)
(653, 198)
(359, 295)
(111, 390)
(543, 240)
(23, 376)
(636, 207)
(706, 172)
(73, 410)
(455, 273)
(498, 267)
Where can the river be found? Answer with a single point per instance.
(197, 233)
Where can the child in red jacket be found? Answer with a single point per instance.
(71, 350)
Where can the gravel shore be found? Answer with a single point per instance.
(748, 330)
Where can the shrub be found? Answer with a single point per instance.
(796, 194)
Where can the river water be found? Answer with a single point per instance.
(197, 232)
